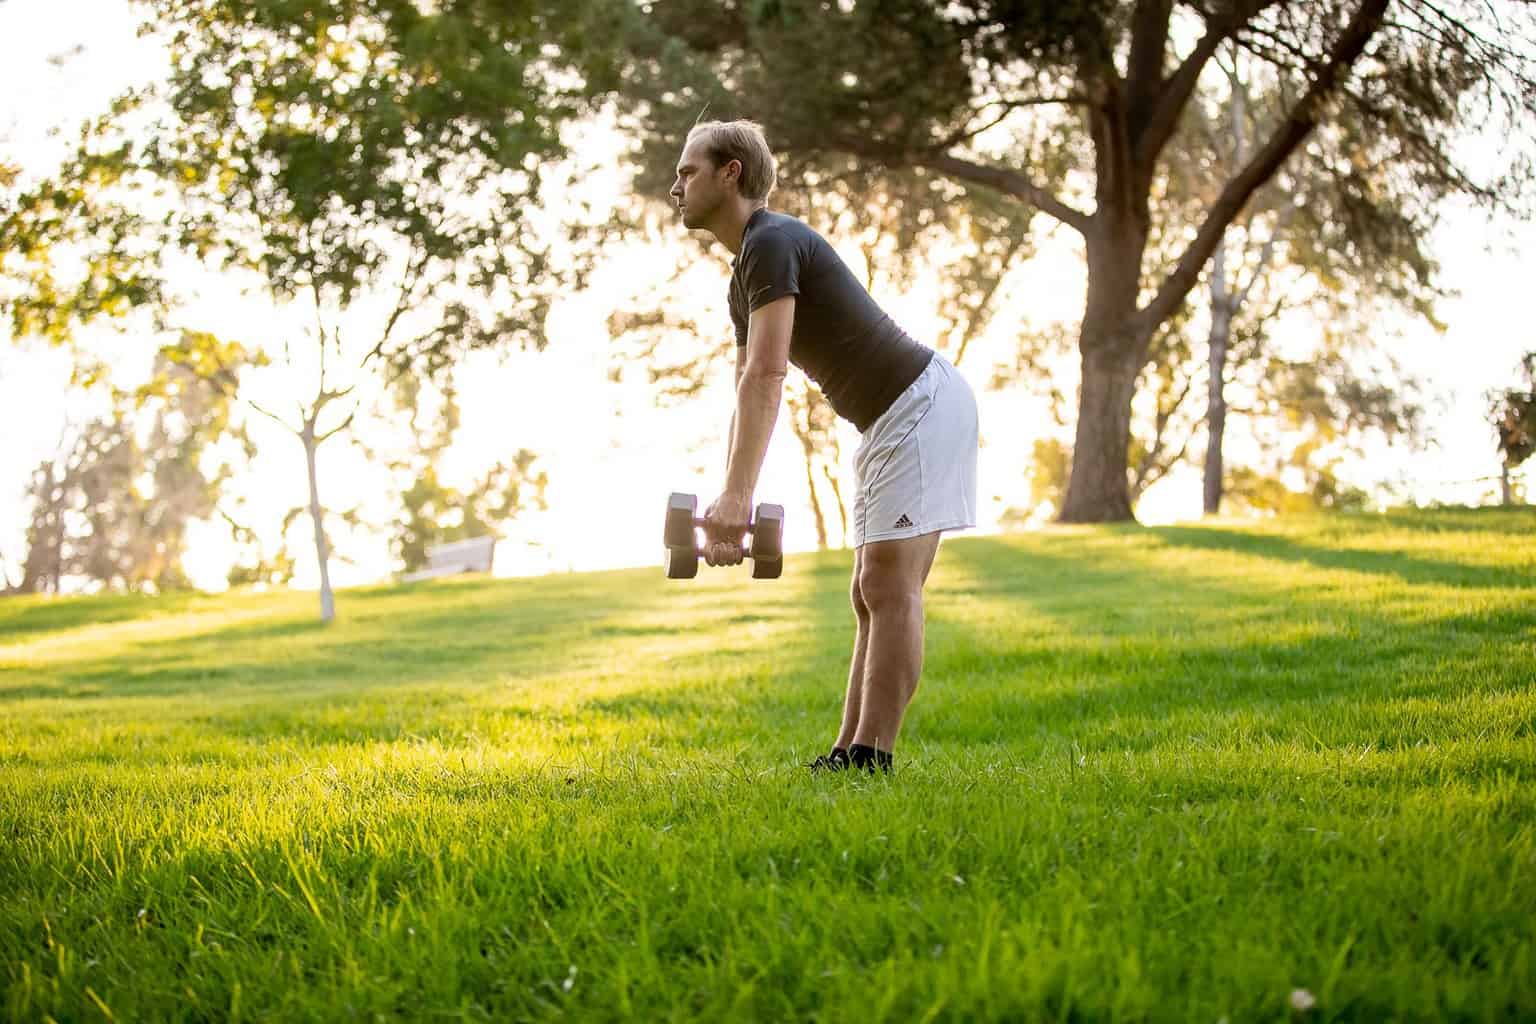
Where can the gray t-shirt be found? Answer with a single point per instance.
(843, 341)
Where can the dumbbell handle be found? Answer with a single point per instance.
(700, 522)
(751, 528)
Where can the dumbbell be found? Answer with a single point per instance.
(682, 561)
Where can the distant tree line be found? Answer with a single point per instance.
(1225, 168)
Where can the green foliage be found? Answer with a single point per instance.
(1513, 411)
(1171, 774)
(277, 569)
(69, 255)
(1326, 411)
(342, 147)
(1251, 489)
(1328, 396)
(820, 62)
(1052, 465)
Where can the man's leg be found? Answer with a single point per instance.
(854, 699)
(890, 581)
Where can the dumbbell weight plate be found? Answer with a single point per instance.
(768, 542)
(682, 563)
(682, 557)
(767, 568)
(681, 510)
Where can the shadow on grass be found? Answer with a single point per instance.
(1508, 520)
(1129, 653)
(1406, 567)
(26, 615)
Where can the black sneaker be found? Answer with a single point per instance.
(836, 761)
(870, 760)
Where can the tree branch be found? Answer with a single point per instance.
(314, 290)
(1149, 43)
(319, 398)
(973, 327)
(274, 417)
(1179, 86)
(1265, 255)
(343, 425)
(325, 398)
(1008, 182)
(965, 134)
(1287, 136)
(408, 282)
(1152, 469)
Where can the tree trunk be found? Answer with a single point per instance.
(1216, 406)
(810, 485)
(842, 506)
(322, 552)
(42, 571)
(1099, 489)
(1113, 352)
(1506, 488)
(1223, 308)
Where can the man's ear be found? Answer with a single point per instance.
(729, 167)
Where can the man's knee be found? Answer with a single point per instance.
(884, 585)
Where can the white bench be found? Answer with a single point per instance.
(472, 555)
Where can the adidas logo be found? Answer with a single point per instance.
(902, 523)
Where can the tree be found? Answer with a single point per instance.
(114, 507)
(935, 88)
(340, 151)
(1344, 249)
(1513, 411)
(42, 570)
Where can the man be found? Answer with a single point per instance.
(793, 300)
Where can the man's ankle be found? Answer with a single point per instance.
(870, 759)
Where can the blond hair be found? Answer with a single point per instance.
(725, 141)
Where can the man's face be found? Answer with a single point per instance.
(700, 187)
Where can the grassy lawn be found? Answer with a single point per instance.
(1185, 774)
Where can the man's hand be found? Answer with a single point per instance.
(725, 526)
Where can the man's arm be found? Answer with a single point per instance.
(761, 367)
(730, 437)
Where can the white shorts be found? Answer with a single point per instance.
(915, 470)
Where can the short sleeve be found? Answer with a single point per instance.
(770, 268)
(738, 315)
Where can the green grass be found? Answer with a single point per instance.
(1152, 774)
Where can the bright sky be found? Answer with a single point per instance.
(611, 453)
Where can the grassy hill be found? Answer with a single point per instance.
(1186, 773)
